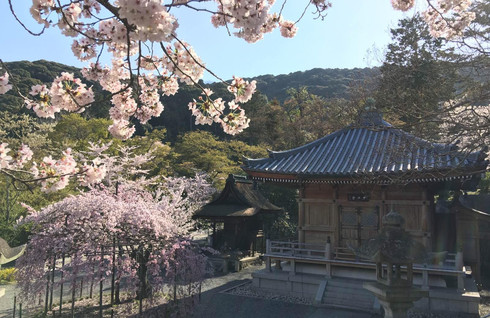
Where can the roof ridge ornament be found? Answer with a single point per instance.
(370, 116)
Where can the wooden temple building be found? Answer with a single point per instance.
(238, 212)
(348, 181)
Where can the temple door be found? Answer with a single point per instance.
(357, 225)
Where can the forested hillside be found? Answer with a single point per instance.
(328, 83)
(176, 118)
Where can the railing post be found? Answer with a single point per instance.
(293, 268)
(267, 251)
(461, 281)
(328, 249)
(328, 268)
(425, 278)
(458, 261)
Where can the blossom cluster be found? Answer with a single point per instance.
(448, 19)
(4, 83)
(53, 174)
(66, 93)
(19, 159)
(445, 18)
(208, 110)
(402, 5)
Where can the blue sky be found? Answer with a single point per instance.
(343, 40)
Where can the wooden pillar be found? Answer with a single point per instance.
(379, 271)
(426, 222)
(476, 271)
(383, 208)
(301, 215)
(410, 273)
(389, 276)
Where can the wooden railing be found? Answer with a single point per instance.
(297, 249)
(294, 252)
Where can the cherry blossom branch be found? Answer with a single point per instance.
(22, 24)
(197, 62)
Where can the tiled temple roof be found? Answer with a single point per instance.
(370, 149)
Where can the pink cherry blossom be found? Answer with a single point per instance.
(4, 83)
(402, 5)
(288, 29)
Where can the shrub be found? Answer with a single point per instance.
(7, 275)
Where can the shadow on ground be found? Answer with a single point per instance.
(217, 303)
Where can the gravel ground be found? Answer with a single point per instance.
(247, 291)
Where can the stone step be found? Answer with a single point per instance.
(354, 299)
(350, 283)
(351, 302)
(348, 293)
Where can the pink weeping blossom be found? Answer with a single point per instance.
(150, 227)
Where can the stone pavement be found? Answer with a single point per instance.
(215, 303)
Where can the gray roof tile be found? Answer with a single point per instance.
(372, 149)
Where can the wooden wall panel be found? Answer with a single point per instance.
(319, 214)
(319, 191)
(316, 237)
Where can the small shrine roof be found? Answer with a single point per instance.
(369, 149)
(239, 198)
(478, 204)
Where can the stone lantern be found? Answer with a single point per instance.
(394, 251)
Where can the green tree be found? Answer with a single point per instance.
(202, 151)
(76, 132)
(416, 76)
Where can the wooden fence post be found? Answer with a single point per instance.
(101, 284)
(73, 299)
(52, 284)
(47, 294)
(113, 279)
(61, 281)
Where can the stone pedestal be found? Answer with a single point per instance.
(396, 300)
